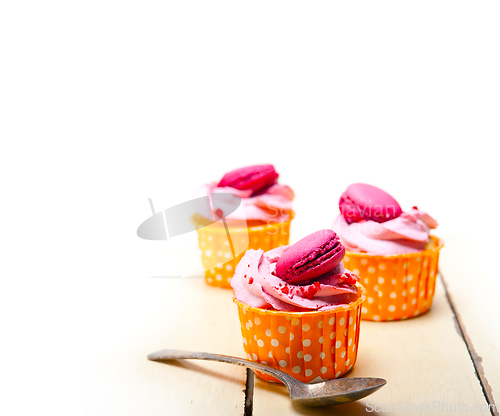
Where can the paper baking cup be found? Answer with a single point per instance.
(215, 246)
(310, 346)
(397, 287)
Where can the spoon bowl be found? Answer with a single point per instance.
(339, 391)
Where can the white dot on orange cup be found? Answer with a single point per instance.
(283, 363)
(274, 342)
(306, 342)
(323, 370)
(296, 369)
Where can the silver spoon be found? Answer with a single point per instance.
(342, 390)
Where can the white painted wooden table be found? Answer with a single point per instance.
(429, 367)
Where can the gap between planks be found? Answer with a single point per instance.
(250, 386)
(476, 359)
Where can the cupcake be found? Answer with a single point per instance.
(299, 308)
(391, 250)
(262, 220)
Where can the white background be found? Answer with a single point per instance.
(104, 104)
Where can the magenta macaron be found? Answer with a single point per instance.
(254, 178)
(311, 257)
(366, 202)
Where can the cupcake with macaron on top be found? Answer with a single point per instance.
(391, 250)
(299, 308)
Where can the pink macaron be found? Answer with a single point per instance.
(366, 202)
(254, 178)
(311, 257)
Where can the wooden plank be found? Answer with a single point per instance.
(471, 286)
(193, 316)
(425, 363)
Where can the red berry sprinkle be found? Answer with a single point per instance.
(250, 280)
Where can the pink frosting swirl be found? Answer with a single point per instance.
(405, 234)
(274, 204)
(255, 284)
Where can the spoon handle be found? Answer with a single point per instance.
(165, 355)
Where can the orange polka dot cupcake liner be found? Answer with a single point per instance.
(397, 287)
(310, 346)
(217, 247)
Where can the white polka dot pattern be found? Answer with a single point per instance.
(216, 252)
(397, 287)
(307, 346)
